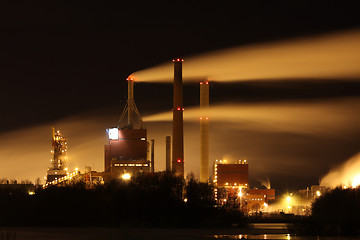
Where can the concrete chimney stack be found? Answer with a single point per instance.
(152, 158)
(131, 103)
(204, 131)
(168, 153)
(178, 132)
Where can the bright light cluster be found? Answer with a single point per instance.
(69, 176)
(356, 181)
(126, 176)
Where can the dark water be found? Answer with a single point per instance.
(274, 231)
(280, 236)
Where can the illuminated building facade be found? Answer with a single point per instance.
(126, 153)
(229, 179)
(231, 174)
(258, 199)
(232, 187)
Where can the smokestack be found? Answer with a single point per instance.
(130, 110)
(178, 133)
(130, 102)
(168, 153)
(152, 155)
(204, 131)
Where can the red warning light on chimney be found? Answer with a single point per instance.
(178, 60)
(179, 160)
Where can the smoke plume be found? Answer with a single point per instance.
(265, 182)
(347, 174)
(326, 117)
(327, 56)
(278, 139)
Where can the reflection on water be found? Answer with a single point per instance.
(260, 236)
(53, 233)
(270, 226)
(281, 237)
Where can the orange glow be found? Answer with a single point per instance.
(347, 175)
(295, 117)
(130, 78)
(331, 56)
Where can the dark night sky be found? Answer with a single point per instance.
(83, 51)
(58, 58)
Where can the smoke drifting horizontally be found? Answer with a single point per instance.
(339, 117)
(276, 138)
(327, 56)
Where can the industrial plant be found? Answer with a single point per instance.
(128, 153)
(58, 168)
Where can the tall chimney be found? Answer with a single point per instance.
(168, 153)
(152, 155)
(204, 131)
(131, 103)
(178, 133)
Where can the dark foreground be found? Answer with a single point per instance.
(152, 207)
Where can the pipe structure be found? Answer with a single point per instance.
(152, 155)
(178, 131)
(168, 153)
(130, 103)
(204, 131)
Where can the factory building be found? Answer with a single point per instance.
(229, 180)
(231, 174)
(232, 187)
(256, 200)
(126, 153)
